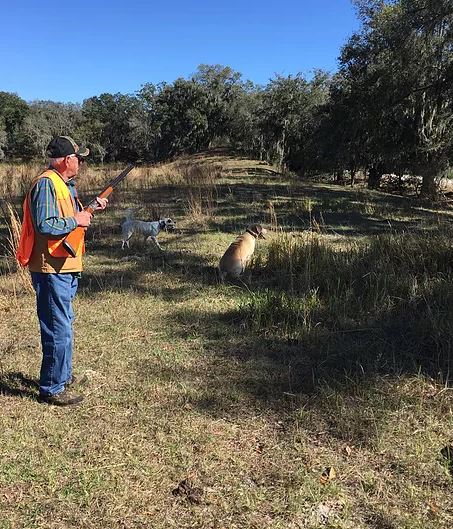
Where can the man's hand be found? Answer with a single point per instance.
(83, 218)
(102, 203)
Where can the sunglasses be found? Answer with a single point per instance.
(80, 158)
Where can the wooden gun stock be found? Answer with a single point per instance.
(74, 239)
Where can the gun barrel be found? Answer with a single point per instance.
(74, 239)
(111, 185)
(121, 176)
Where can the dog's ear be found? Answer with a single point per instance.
(254, 229)
(257, 231)
(261, 232)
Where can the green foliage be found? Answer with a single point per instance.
(396, 76)
(182, 114)
(224, 90)
(399, 284)
(288, 108)
(107, 126)
(215, 106)
(13, 111)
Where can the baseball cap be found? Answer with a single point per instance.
(61, 146)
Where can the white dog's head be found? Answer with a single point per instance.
(166, 223)
(128, 214)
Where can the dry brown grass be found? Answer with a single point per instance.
(199, 181)
(15, 179)
(21, 277)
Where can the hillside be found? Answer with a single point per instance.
(307, 396)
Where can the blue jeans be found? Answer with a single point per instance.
(54, 295)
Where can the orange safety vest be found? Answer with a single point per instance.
(28, 236)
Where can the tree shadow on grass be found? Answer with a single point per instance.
(187, 265)
(188, 271)
(350, 212)
(242, 203)
(18, 385)
(336, 379)
(249, 377)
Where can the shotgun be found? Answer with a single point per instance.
(73, 240)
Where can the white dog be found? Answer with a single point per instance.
(147, 229)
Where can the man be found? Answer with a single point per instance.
(51, 211)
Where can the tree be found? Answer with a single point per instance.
(402, 64)
(245, 130)
(181, 110)
(13, 111)
(36, 129)
(107, 126)
(145, 125)
(224, 89)
(288, 117)
(3, 139)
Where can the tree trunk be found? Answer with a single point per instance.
(261, 147)
(339, 178)
(400, 180)
(429, 187)
(374, 176)
(428, 171)
(280, 150)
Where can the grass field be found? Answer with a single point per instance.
(315, 394)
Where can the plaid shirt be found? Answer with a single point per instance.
(44, 209)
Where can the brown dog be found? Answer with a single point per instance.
(235, 259)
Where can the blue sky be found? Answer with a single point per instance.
(63, 51)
